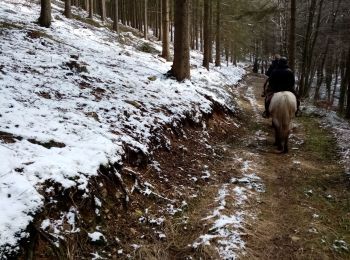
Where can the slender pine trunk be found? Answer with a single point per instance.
(116, 16)
(165, 35)
(206, 35)
(145, 21)
(181, 66)
(291, 47)
(45, 13)
(218, 32)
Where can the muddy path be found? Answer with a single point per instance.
(258, 203)
(304, 211)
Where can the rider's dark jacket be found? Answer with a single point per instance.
(282, 79)
(272, 67)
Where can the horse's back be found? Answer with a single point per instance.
(284, 100)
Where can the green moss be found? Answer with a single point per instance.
(319, 142)
(87, 20)
(148, 48)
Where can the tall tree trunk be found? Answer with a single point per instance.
(145, 21)
(335, 85)
(227, 52)
(206, 35)
(181, 65)
(218, 49)
(45, 13)
(87, 5)
(291, 47)
(156, 19)
(309, 79)
(160, 16)
(347, 86)
(192, 10)
(234, 53)
(172, 20)
(319, 82)
(116, 17)
(91, 9)
(342, 91)
(305, 54)
(103, 10)
(347, 111)
(210, 31)
(320, 74)
(329, 77)
(132, 13)
(165, 35)
(196, 28)
(201, 30)
(67, 9)
(122, 12)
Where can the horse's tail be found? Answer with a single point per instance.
(283, 110)
(282, 119)
(285, 120)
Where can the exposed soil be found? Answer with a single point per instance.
(298, 209)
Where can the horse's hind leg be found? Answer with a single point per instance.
(278, 140)
(285, 148)
(276, 134)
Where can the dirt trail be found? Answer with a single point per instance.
(304, 212)
(262, 203)
(219, 191)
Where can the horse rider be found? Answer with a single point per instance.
(269, 71)
(281, 79)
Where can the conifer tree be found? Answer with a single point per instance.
(45, 13)
(181, 65)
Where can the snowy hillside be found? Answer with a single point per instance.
(74, 96)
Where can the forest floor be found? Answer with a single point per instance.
(221, 192)
(144, 167)
(258, 203)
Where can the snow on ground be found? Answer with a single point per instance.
(73, 96)
(95, 236)
(231, 214)
(249, 95)
(228, 224)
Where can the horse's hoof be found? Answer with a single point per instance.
(265, 115)
(278, 151)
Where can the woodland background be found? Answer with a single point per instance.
(103, 142)
(313, 34)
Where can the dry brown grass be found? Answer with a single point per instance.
(182, 230)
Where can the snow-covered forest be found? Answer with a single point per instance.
(133, 129)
